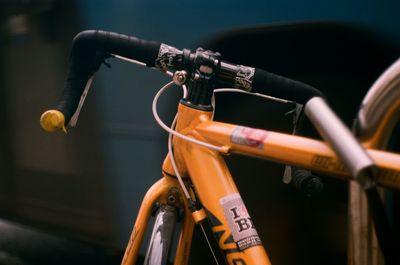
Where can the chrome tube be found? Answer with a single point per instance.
(161, 238)
(342, 141)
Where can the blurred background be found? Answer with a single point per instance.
(72, 199)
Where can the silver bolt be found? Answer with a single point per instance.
(171, 199)
(180, 77)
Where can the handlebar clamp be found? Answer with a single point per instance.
(205, 66)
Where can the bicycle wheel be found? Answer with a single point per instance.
(378, 127)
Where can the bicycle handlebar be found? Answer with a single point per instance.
(90, 48)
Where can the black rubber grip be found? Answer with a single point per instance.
(282, 87)
(89, 49)
(305, 182)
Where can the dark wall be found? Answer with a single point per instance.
(55, 182)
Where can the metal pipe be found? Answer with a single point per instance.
(342, 141)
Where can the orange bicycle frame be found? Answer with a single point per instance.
(207, 177)
(216, 190)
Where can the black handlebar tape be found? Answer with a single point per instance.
(282, 87)
(89, 49)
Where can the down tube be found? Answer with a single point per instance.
(230, 221)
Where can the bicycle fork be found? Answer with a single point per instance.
(165, 195)
(163, 230)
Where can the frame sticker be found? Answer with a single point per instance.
(249, 136)
(239, 221)
(165, 57)
(244, 77)
(328, 162)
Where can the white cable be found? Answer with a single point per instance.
(74, 119)
(127, 59)
(169, 130)
(184, 88)
(178, 176)
(136, 62)
(250, 93)
(186, 138)
(172, 158)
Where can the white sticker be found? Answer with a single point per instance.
(244, 77)
(248, 136)
(166, 55)
(240, 223)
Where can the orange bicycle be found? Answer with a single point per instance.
(196, 187)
